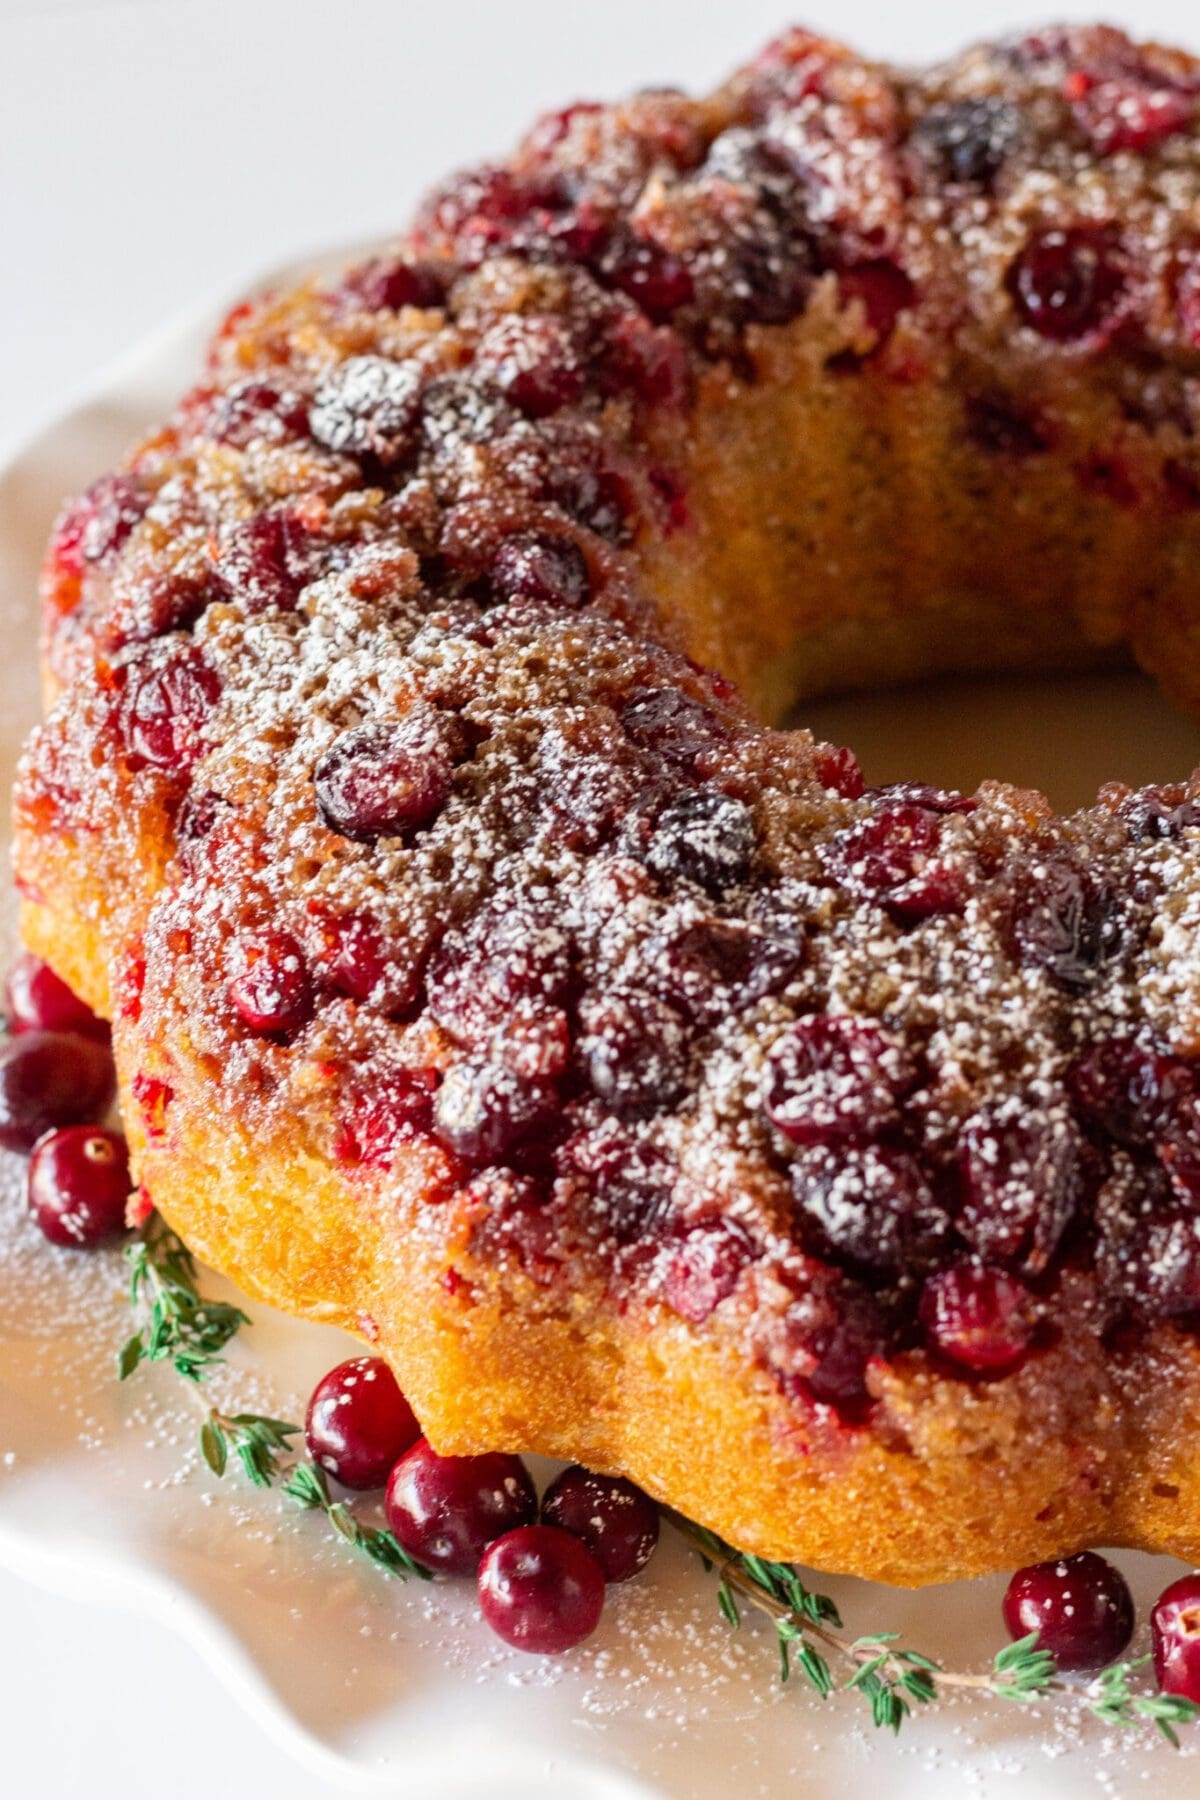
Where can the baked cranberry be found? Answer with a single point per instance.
(1131, 111)
(534, 361)
(1080, 1607)
(711, 968)
(1021, 1178)
(657, 280)
(1187, 299)
(388, 283)
(871, 1205)
(635, 1049)
(368, 406)
(385, 778)
(673, 725)
(397, 1108)
(1002, 428)
(78, 1184)
(1151, 1259)
(628, 1184)
(446, 1510)
(1065, 921)
(883, 290)
(39, 1000)
(839, 770)
(542, 565)
(358, 1424)
(833, 1078)
(541, 1590)
(257, 412)
(1069, 284)
(978, 1318)
(593, 493)
(254, 566)
(166, 706)
(96, 526)
(615, 1519)
(647, 360)
(706, 837)
(830, 1338)
(509, 957)
(49, 1079)
(1175, 1633)
(271, 988)
(892, 857)
(703, 1268)
(968, 140)
(484, 1107)
(1128, 1090)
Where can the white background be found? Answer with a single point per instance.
(156, 152)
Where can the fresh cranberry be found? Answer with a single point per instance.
(39, 1000)
(635, 1048)
(166, 708)
(271, 988)
(387, 284)
(1065, 921)
(534, 362)
(368, 406)
(96, 526)
(673, 725)
(1068, 284)
(657, 280)
(484, 1107)
(509, 957)
(541, 1590)
(1128, 1090)
(968, 140)
(705, 837)
(358, 1423)
(979, 1319)
(833, 1078)
(446, 1510)
(1021, 1175)
(615, 1519)
(256, 412)
(1175, 1631)
(703, 1268)
(542, 565)
(49, 1079)
(385, 778)
(78, 1184)
(1080, 1607)
(871, 1205)
(254, 566)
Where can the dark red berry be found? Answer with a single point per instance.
(1128, 1090)
(968, 140)
(623, 1183)
(534, 361)
(271, 987)
(615, 1519)
(648, 361)
(871, 1205)
(883, 290)
(703, 1267)
(390, 283)
(368, 406)
(1175, 1633)
(96, 526)
(166, 707)
(1021, 1174)
(484, 1107)
(635, 1048)
(387, 777)
(659, 281)
(446, 1510)
(255, 412)
(1069, 284)
(705, 837)
(979, 1319)
(1080, 1607)
(1127, 109)
(541, 1590)
(38, 1000)
(829, 1338)
(79, 1182)
(539, 565)
(395, 1110)
(509, 957)
(1065, 921)
(49, 1079)
(254, 564)
(358, 1423)
(834, 1078)
(893, 857)
(674, 726)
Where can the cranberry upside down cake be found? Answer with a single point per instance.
(491, 978)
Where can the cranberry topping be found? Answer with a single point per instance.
(635, 1048)
(166, 707)
(658, 281)
(831, 1078)
(703, 1267)
(389, 283)
(446, 1510)
(510, 957)
(541, 1590)
(979, 1319)
(829, 1339)
(254, 566)
(367, 406)
(869, 1205)
(97, 525)
(968, 140)
(358, 1423)
(674, 726)
(484, 1107)
(707, 838)
(38, 1000)
(49, 1079)
(1129, 1091)
(1065, 921)
(711, 968)
(1175, 1632)
(647, 360)
(1068, 284)
(1150, 1258)
(615, 1519)
(271, 989)
(1080, 1607)
(534, 362)
(593, 493)
(892, 857)
(1021, 1178)
(540, 565)
(1133, 108)
(257, 412)
(78, 1184)
(387, 777)
(884, 291)
(628, 1184)
(397, 1108)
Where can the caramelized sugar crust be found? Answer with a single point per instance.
(487, 978)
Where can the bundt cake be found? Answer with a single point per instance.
(490, 978)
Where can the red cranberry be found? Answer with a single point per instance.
(649, 361)
(703, 1268)
(672, 725)
(534, 362)
(272, 990)
(1065, 921)
(540, 565)
(1187, 299)
(541, 1590)
(49, 1079)
(1131, 111)
(255, 412)
(884, 290)
(1128, 1090)
(254, 565)
(979, 1319)
(368, 406)
(830, 1338)
(1080, 1607)
(38, 1000)
(1021, 1177)
(95, 527)
(510, 956)
(385, 284)
(1068, 284)
(593, 493)
(656, 279)
(617, 1522)
(892, 857)
(484, 1107)
(397, 1109)
(871, 1205)
(635, 1048)
(166, 708)
(358, 1423)
(627, 1184)
(968, 140)
(78, 1184)
(838, 769)
(446, 1510)
(833, 1078)
(385, 778)
(711, 968)
(708, 838)
(1175, 1630)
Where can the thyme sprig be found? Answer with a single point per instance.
(894, 1679)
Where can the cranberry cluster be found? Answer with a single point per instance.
(541, 1572)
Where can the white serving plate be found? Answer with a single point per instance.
(400, 1689)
